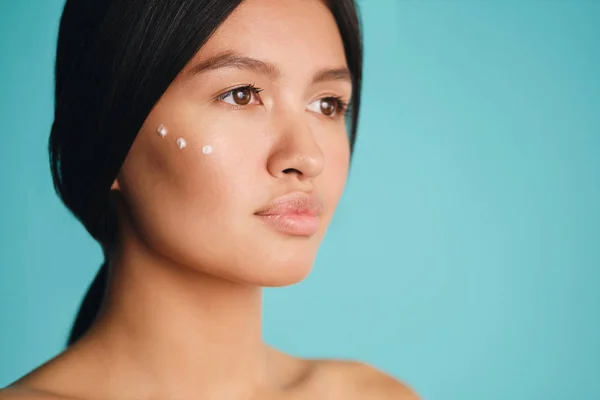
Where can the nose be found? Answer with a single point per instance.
(296, 152)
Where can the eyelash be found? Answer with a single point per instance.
(342, 107)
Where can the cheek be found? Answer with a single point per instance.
(181, 199)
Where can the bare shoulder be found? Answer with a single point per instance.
(21, 393)
(37, 384)
(357, 380)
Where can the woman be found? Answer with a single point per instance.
(203, 144)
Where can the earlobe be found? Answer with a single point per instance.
(115, 185)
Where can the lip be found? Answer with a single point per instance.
(295, 214)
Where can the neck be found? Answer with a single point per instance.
(179, 332)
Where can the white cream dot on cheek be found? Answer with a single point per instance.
(207, 149)
(181, 143)
(162, 131)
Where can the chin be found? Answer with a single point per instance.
(273, 273)
(286, 275)
(284, 268)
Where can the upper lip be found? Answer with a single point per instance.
(294, 203)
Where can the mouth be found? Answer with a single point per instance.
(295, 214)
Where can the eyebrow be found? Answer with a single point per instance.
(233, 60)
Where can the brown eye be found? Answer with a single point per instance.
(328, 106)
(242, 96)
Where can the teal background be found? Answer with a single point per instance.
(465, 255)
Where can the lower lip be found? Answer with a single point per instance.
(293, 224)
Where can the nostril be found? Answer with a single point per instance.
(291, 170)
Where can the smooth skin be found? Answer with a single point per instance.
(182, 315)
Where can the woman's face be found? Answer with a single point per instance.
(284, 137)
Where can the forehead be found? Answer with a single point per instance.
(292, 34)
